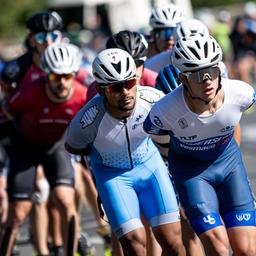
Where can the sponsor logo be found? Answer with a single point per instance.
(227, 128)
(149, 96)
(136, 125)
(158, 122)
(189, 137)
(89, 116)
(183, 123)
(137, 119)
(208, 219)
(243, 216)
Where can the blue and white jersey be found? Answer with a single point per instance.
(200, 137)
(106, 136)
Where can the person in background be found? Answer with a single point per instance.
(44, 28)
(163, 20)
(41, 112)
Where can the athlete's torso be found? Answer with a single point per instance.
(40, 120)
(202, 137)
(114, 143)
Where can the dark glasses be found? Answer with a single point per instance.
(164, 34)
(118, 87)
(43, 37)
(57, 77)
(203, 74)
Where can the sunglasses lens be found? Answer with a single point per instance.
(54, 35)
(165, 34)
(118, 87)
(57, 77)
(207, 73)
(42, 37)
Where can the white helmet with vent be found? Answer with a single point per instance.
(196, 52)
(189, 27)
(113, 65)
(61, 58)
(165, 16)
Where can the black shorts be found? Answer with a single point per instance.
(23, 162)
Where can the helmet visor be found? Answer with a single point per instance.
(57, 77)
(203, 74)
(118, 87)
(164, 33)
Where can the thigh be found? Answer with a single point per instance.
(158, 199)
(235, 193)
(21, 177)
(120, 203)
(58, 168)
(199, 199)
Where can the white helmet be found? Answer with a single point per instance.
(113, 65)
(189, 27)
(196, 52)
(61, 58)
(165, 16)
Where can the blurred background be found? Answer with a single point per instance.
(90, 21)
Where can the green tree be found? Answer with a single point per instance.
(14, 14)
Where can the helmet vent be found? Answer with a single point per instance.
(197, 44)
(213, 45)
(205, 50)
(177, 56)
(194, 52)
(127, 64)
(215, 58)
(105, 69)
(117, 67)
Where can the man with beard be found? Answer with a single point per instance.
(41, 112)
(130, 174)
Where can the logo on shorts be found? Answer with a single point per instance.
(89, 116)
(208, 219)
(244, 216)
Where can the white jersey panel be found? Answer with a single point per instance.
(106, 135)
(192, 133)
(158, 61)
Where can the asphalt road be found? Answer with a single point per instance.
(248, 147)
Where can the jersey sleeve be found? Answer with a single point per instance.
(243, 94)
(83, 129)
(155, 122)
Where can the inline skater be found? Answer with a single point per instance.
(205, 160)
(41, 112)
(127, 167)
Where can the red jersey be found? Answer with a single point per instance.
(32, 74)
(40, 120)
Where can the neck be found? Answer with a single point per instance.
(118, 114)
(200, 107)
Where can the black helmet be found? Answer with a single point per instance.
(44, 22)
(132, 42)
